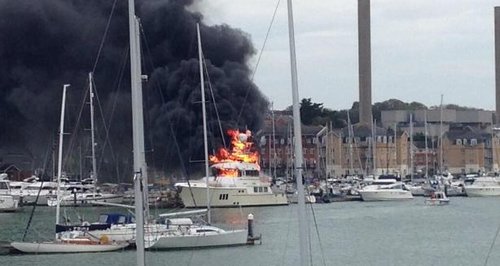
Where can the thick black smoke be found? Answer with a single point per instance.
(47, 43)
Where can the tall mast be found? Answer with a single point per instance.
(204, 112)
(426, 148)
(274, 142)
(441, 136)
(350, 131)
(374, 147)
(304, 248)
(140, 170)
(92, 133)
(411, 147)
(59, 155)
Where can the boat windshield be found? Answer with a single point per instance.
(3, 185)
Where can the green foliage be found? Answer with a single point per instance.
(315, 114)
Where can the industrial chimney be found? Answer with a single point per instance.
(497, 65)
(364, 54)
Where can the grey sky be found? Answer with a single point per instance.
(420, 49)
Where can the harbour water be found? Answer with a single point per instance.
(345, 233)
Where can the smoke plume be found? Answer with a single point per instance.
(47, 43)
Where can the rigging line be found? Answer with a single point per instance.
(492, 245)
(213, 100)
(49, 149)
(73, 134)
(104, 36)
(319, 236)
(287, 235)
(258, 59)
(163, 100)
(157, 85)
(117, 84)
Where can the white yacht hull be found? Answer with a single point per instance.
(61, 247)
(79, 201)
(437, 202)
(229, 197)
(382, 195)
(8, 203)
(482, 191)
(176, 241)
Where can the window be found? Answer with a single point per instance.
(282, 141)
(255, 189)
(265, 189)
(223, 196)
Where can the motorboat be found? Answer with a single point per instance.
(382, 192)
(8, 203)
(437, 198)
(247, 188)
(237, 180)
(483, 186)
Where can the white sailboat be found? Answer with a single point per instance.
(78, 243)
(91, 196)
(182, 232)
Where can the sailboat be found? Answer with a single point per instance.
(83, 197)
(79, 243)
(183, 233)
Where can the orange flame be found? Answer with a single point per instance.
(240, 150)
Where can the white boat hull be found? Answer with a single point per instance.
(383, 195)
(60, 247)
(176, 241)
(482, 191)
(70, 201)
(437, 202)
(229, 197)
(8, 203)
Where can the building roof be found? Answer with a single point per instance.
(467, 132)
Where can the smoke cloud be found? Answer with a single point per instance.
(47, 43)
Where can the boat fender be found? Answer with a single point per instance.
(104, 239)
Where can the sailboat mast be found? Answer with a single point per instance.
(59, 155)
(140, 171)
(426, 148)
(411, 147)
(350, 132)
(374, 147)
(303, 239)
(92, 133)
(274, 142)
(205, 137)
(441, 136)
